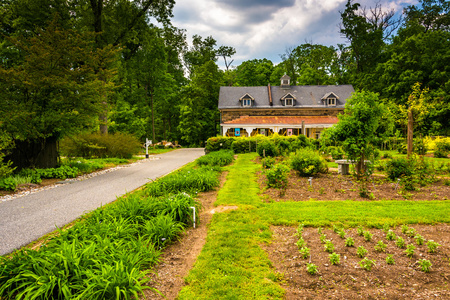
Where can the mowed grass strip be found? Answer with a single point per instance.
(355, 213)
(231, 264)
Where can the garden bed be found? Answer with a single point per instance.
(348, 280)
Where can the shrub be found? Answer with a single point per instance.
(398, 168)
(267, 148)
(219, 143)
(308, 162)
(219, 158)
(120, 145)
(268, 162)
(277, 176)
(336, 152)
(442, 148)
(161, 230)
(244, 145)
(8, 184)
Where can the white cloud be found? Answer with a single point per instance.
(265, 28)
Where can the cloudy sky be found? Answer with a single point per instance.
(266, 28)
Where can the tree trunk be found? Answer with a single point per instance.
(104, 117)
(40, 153)
(410, 133)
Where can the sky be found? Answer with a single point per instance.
(267, 28)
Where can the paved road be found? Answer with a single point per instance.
(28, 218)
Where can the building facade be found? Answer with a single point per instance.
(284, 109)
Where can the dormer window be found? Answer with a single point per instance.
(288, 100)
(246, 100)
(330, 99)
(285, 81)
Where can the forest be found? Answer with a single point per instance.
(71, 67)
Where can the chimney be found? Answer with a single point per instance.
(270, 95)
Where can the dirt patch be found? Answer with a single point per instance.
(179, 258)
(333, 186)
(220, 209)
(348, 280)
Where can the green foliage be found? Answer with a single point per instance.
(380, 246)
(367, 264)
(329, 247)
(8, 184)
(311, 268)
(267, 148)
(308, 162)
(161, 229)
(86, 145)
(218, 143)
(360, 230)
(432, 246)
(268, 162)
(442, 148)
(410, 250)
(301, 243)
(390, 235)
(361, 251)
(5, 144)
(398, 168)
(323, 238)
(335, 259)
(419, 239)
(425, 265)
(218, 158)
(367, 236)
(413, 171)
(244, 145)
(192, 181)
(277, 176)
(390, 259)
(304, 252)
(400, 242)
(349, 242)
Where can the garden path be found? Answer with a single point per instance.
(25, 219)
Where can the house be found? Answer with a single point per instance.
(284, 109)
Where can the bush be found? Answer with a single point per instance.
(119, 145)
(268, 162)
(267, 148)
(244, 145)
(219, 158)
(308, 162)
(277, 176)
(412, 170)
(218, 143)
(398, 168)
(8, 184)
(336, 152)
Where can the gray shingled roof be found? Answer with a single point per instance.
(306, 95)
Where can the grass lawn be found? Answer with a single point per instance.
(232, 264)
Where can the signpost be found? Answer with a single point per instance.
(147, 143)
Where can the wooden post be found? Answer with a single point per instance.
(410, 133)
(303, 128)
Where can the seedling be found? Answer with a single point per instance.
(336, 229)
(349, 242)
(300, 230)
(335, 258)
(368, 236)
(329, 247)
(342, 234)
(390, 259)
(404, 229)
(304, 252)
(390, 235)
(319, 230)
(301, 243)
(311, 268)
(386, 228)
(360, 231)
(410, 250)
(425, 265)
(411, 232)
(361, 251)
(432, 246)
(323, 238)
(400, 242)
(367, 264)
(380, 246)
(419, 239)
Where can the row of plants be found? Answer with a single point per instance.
(109, 252)
(70, 168)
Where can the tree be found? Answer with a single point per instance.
(255, 72)
(365, 120)
(54, 92)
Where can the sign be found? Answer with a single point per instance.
(263, 131)
(237, 132)
(289, 131)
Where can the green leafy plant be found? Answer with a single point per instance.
(311, 268)
(367, 264)
(300, 229)
(267, 148)
(410, 250)
(432, 246)
(380, 246)
(8, 184)
(349, 242)
(217, 158)
(360, 230)
(361, 251)
(329, 247)
(411, 232)
(390, 259)
(368, 236)
(319, 230)
(323, 238)
(304, 252)
(386, 228)
(419, 239)
(405, 229)
(335, 258)
(308, 162)
(268, 162)
(342, 234)
(390, 235)
(400, 242)
(277, 176)
(301, 243)
(425, 265)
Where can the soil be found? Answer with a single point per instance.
(333, 186)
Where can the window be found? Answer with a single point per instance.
(246, 102)
(289, 101)
(332, 101)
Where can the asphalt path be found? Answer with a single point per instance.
(26, 219)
